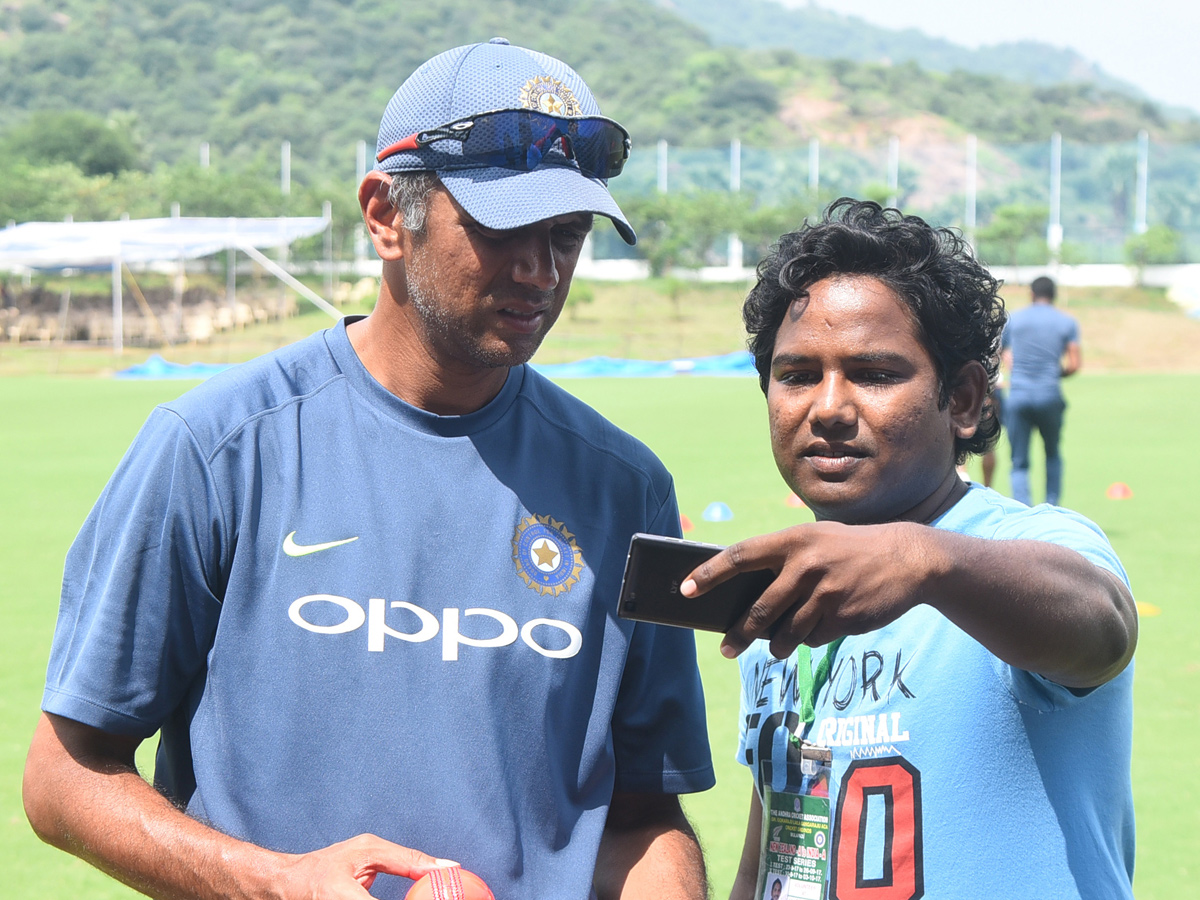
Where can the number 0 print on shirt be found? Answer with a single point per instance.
(877, 851)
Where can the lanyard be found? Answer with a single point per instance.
(810, 682)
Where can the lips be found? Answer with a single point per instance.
(833, 459)
(524, 319)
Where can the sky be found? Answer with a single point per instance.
(1150, 43)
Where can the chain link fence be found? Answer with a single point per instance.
(1103, 193)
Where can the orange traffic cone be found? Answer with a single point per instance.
(1118, 490)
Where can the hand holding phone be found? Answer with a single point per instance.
(656, 567)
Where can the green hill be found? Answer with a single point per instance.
(823, 33)
(104, 105)
(245, 75)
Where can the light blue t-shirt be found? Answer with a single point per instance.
(349, 615)
(957, 775)
(1038, 336)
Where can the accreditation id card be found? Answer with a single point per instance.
(794, 855)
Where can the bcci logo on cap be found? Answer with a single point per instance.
(546, 555)
(550, 96)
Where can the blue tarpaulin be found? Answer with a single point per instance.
(737, 363)
(157, 368)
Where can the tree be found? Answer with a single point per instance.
(1158, 245)
(39, 193)
(764, 225)
(681, 229)
(85, 140)
(1012, 225)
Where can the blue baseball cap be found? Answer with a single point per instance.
(487, 77)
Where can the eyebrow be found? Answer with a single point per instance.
(585, 220)
(878, 356)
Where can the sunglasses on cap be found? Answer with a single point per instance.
(519, 139)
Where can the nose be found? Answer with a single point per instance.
(534, 263)
(833, 403)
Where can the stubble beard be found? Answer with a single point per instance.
(446, 331)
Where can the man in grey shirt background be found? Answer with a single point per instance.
(1040, 347)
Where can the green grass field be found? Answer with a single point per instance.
(60, 437)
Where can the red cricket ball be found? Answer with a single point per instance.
(452, 883)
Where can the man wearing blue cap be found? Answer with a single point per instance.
(364, 587)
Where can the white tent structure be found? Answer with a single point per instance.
(70, 245)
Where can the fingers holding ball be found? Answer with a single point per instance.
(451, 883)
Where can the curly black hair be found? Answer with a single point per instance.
(953, 300)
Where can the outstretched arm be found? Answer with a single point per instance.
(1035, 605)
(84, 795)
(649, 850)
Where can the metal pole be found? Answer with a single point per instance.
(814, 166)
(735, 251)
(118, 338)
(893, 173)
(285, 249)
(177, 282)
(662, 166)
(285, 168)
(360, 230)
(204, 154)
(231, 271)
(1054, 232)
(327, 213)
(180, 278)
(972, 164)
(298, 286)
(1143, 182)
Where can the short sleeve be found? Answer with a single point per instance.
(746, 670)
(1067, 529)
(141, 588)
(1071, 530)
(660, 735)
(1073, 331)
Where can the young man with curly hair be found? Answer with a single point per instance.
(970, 664)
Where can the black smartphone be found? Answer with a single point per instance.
(656, 567)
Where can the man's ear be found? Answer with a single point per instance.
(382, 219)
(966, 398)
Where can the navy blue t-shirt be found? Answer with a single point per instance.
(349, 615)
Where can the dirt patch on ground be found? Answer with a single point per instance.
(1136, 340)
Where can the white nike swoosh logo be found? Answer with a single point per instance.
(291, 548)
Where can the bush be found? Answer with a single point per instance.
(681, 229)
(92, 145)
(1158, 245)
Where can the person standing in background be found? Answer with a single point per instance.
(1040, 347)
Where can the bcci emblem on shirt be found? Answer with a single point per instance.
(546, 555)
